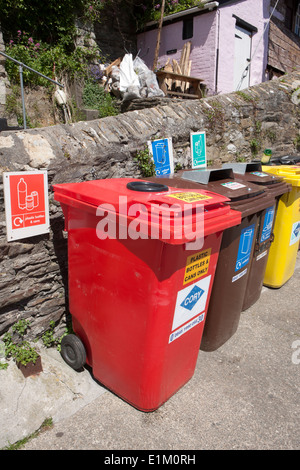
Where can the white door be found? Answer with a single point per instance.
(242, 56)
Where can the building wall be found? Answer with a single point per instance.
(214, 30)
(255, 12)
(203, 50)
(284, 45)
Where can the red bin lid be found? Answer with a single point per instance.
(153, 204)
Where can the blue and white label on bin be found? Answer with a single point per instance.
(245, 246)
(268, 224)
(190, 307)
(295, 235)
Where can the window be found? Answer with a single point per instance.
(188, 28)
(289, 15)
(292, 16)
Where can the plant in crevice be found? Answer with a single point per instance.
(255, 146)
(95, 97)
(20, 350)
(145, 162)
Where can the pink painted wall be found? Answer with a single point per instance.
(203, 50)
(212, 30)
(255, 12)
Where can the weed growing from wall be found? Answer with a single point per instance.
(145, 162)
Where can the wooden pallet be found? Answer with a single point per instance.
(175, 80)
(192, 84)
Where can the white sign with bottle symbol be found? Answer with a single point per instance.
(26, 204)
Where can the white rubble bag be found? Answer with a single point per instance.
(136, 80)
(147, 79)
(129, 82)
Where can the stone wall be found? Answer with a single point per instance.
(115, 34)
(34, 271)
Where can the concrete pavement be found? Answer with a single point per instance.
(243, 396)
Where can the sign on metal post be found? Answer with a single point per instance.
(26, 204)
(162, 153)
(198, 149)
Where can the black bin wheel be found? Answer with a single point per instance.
(73, 351)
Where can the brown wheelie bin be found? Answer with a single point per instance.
(275, 187)
(236, 250)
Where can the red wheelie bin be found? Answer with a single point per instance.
(137, 315)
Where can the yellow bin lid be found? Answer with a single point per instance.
(290, 173)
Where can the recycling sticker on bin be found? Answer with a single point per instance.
(26, 204)
(268, 224)
(245, 246)
(190, 307)
(295, 235)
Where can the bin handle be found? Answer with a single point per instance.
(264, 246)
(147, 186)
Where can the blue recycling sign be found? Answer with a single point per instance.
(295, 235)
(268, 224)
(245, 247)
(296, 230)
(162, 153)
(192, 298)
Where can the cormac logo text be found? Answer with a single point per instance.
(156, 221)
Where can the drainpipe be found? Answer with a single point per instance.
(217, 52)
(211, 5)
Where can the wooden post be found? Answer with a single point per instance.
(159, 34)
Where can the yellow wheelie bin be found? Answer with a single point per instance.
(283, 252)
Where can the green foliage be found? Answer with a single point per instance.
(47, 424)
(151, 10)
(21, 327)
(215, 114)
(49, 340)
(13, 107)
(94, 97)
(178, 167)
(296, 142)
(21, 351)
(25, 353)
(51, 21)
(244, 95)
(255, 146)
(48, 337)
(145, 162)
(52, 61)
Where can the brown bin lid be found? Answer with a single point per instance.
(246, 197)
(253, 173)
